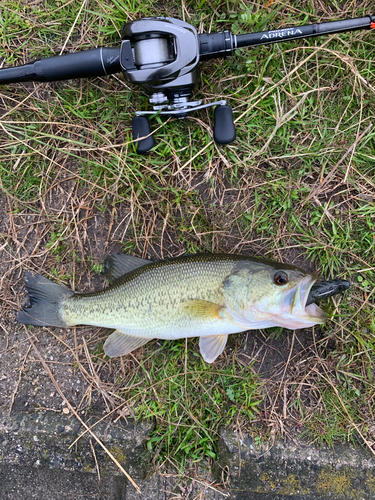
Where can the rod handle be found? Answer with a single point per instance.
(88, 63)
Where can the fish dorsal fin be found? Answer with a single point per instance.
(212, 346)
(119, 343)
(118, 264)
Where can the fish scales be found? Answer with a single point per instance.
(153, 299)
(208, 296)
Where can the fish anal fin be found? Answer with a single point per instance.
(118, 264)
(203, 309)
(119, 343)
(212, 346)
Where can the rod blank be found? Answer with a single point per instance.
(307, 31)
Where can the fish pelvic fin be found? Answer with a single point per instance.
(45, 299)
(118, 264)
(212, 346)
(120, 343)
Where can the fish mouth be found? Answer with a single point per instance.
(303, 290)
(300, 309)
(297, 313)
(310, 309)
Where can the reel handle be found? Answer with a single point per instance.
(142, 134)
(224, 129)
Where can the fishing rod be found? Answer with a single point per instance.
(161, 55)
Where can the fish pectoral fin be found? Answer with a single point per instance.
(119, 343)
(118, 264)
(212, 346)
(202, 309)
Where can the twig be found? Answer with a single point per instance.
(18, 381)
(73, 26)
(282, 378)
(283, 119)
(7, 336)
(95, 376)
(327, 379)
(193, 158)
(96, 462)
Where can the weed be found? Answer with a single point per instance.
(190, 403)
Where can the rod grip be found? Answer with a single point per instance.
(88, 63)
(215, 45)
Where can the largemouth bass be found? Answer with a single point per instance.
(206, 295)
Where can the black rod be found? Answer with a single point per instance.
(106, 61)
(222, 44)
(88, 63)
(306, 31)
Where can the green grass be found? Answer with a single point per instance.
(190, 403)
(67, 162)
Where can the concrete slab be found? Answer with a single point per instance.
(26, 483)
(37, 461)
(45, 439)
(294, 470)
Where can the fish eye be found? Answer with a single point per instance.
(280, 278)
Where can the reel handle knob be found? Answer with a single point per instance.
(142, 134)
(224, 129)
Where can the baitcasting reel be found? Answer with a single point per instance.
(161, 54)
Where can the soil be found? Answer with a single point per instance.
(24, 383)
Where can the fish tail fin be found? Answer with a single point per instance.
(45, 298)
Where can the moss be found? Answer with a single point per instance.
(118, 454)
(292, 486)
(370, 481)
(286, 486)
(269, 484)
(331, 482)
